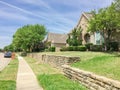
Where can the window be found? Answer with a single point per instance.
(99, 39)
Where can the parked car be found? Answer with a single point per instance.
(8, 54)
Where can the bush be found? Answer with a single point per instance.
(82, 48)
(88, 45)
(70, 48)
(64, 49)
(23, 54)
(52, 49)
(73, 48)
(46, 50)
(114, 46)
(96, 47)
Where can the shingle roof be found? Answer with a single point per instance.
(57, 38)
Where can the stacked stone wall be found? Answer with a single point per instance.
(90, 80)
(54, 60)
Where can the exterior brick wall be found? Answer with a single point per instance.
(90, 80)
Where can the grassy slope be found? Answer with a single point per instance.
(51, 78)
(108, 66)
(100, 63)
(58, 82)
(8, 76)
(82, 55)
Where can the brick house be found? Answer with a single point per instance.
(96, 37)
(87, 37)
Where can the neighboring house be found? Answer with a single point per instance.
(87, 37)
(57, 40)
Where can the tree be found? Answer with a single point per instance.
(9, 48)
(0, 50)
(117, 5)
(74, 38)
(29, 36)
(105, 21)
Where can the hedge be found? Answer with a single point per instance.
(52, 49)
(73, 48)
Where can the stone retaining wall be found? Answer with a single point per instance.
(54, 60)
(90, 80)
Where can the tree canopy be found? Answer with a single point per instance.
(106, 20)
(74, 38)
(117, 5)
(29, 36)
(9, 47)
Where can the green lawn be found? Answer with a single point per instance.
(51, 78)
(8, 76)
(58, 82)
(105, 64)
(82, 55)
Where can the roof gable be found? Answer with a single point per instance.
(85, 15)
(57, 38)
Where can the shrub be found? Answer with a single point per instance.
(46, 50)
(23, 54)
(75, 48)
(96, 47)
(70, 48)
(64, 49)
(52, 49)
(114, 46)
(88, 45)
(81, 48)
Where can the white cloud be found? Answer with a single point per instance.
(44, 17)
(4, 40)
(12, 15)
(22, 10)
(79, 3)
(36, 2)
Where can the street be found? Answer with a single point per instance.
(3, 61)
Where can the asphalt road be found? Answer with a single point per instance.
(3, 61)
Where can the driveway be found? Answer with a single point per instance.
(3, 61)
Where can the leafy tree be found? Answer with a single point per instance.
(74, 38)
(117, 5)
(9, 48)
(29, 37)
(0, 50)
(105, 21)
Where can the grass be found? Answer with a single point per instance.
(105, 64)
(108, 66)
(41, 68)
(83, 55)
(8, 76)
(51, 78)
(7, 85)
(58, 82)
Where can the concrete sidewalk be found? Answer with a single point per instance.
(26, 80)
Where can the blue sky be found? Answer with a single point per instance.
(59, 16)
